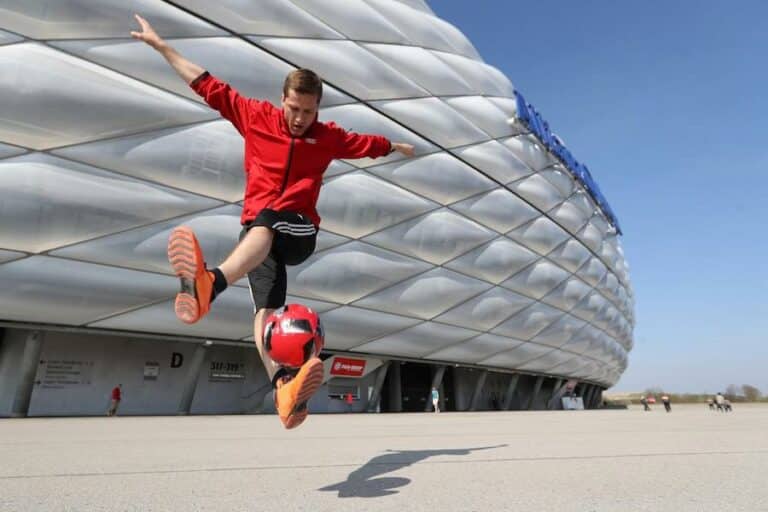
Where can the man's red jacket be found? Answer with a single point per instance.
(283, 172)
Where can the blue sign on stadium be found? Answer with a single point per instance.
(533, 120)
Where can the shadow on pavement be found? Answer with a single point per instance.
(361, 483)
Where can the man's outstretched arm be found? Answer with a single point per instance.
(217, 94)
(186, 69)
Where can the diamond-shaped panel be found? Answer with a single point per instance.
(54, 85)
(499, 209)
(435, 237)
(417, 341)
(529, 322)
(49, 202)
(495, 261)
(422, 67)
(495, 160)
(427, 295)
(83, 293)
(350, 271)
(439, 176)
(228, 58)
(475, 349)
(433, 119)
(204, 158)
(68, 19)
(369, 204)
(347, 327)
(486, 310)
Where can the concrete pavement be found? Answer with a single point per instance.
(613, 460)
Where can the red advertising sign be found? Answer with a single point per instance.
(348, 367)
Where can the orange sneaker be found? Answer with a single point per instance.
(292, 394)
(194, 299)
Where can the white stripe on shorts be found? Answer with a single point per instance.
(294, 229)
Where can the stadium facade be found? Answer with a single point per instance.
(490, 265)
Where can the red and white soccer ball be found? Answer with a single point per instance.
(292, 335)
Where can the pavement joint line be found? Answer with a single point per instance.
(398, 464)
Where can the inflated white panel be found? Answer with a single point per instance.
(495, 261)
(486, 310)
(426, 295)
(362, 119)
(475, 349)
(228, 58)
(347, 66)
(265, 17)
(484, 114)
(530, 151)
(499, 209)
(423, 68)
(345, 328)
(350, 271)
(537, 280)
(529, 322)
(355, 19)
(204, 158)
(483, 78)
(370, 204)
(68, 19)
(84, 292)
(571, 255)
(541, 234)
(435, 237)
(54, 82)
(433, 119)
(417, 341)
(439, 176)
(231, 317)
(539, 191)
(495, 160)
(145, 248)
(58, 202)
(517, 356)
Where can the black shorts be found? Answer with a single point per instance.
(294, 242)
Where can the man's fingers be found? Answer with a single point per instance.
(144, 23)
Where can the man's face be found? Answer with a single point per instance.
(299, 111)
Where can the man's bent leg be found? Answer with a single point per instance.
(251, 252)
(258, 337)
(293, 387)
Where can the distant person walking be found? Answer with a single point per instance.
(117, 395)
(435, 400)
(644, 401)
(720, 402)
(665, 401)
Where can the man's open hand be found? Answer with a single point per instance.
(147, 34)
(406, 149)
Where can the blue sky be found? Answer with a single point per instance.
(667, 103)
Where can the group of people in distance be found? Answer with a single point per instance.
(719, 403)
(664, 399)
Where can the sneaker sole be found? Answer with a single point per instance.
(311, 383)
(182, 256)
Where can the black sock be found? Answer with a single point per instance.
(219, 283)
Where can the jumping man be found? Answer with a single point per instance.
(286, 153)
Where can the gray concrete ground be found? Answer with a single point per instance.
(622, 460)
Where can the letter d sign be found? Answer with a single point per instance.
(177, 360)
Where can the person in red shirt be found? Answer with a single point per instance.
(287, 150)
(117, 395)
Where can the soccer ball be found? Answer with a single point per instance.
(293, 335)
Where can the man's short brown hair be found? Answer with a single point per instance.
(304, 81)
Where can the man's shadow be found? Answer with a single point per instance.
(361, 483)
